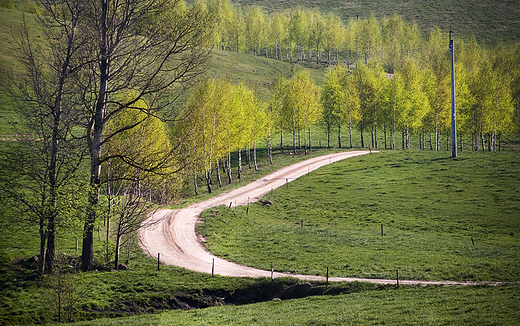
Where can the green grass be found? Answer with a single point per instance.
(407, 306)
(429, 204)
(11, 22)
(257, 72)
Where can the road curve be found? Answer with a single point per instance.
(172, 232)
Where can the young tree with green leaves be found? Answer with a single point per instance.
(415, 101)
(334, 100)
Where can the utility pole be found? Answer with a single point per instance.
(453, 120)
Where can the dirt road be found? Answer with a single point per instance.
(172, 232)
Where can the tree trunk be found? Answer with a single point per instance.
(195, 183)
(310, 145)
(304, 141)
(350, 129)
(407, 133)
(254, 155)
(248, 157)
(375, 137)
(118, 247)
(294, 135)
(384, 134)
(328, 134)
(94, 145)
(270, 150)
(208, 180)
(299, 140)
(229, 168)
(362, 140)
(239, 163)
(339, 136)
(281, 142)
(217, 168)
(43, 240)
(372, 135)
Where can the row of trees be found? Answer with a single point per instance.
(416, 98)
(308, 34)
(100, 89)
(222, 118)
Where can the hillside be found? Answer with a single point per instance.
(256, 72)
(486, 19)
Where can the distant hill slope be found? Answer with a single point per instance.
(486, 19)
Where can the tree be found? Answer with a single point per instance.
(130, 188)
(352, 105)
(237, 30)
(221, 12)
(255, 29)
(334, 31)
(278, 32)
(298, 31)
(352, 36)
(438, 82)
(46, 98)
(415, 101)
(317, 34)
(153, 48)
(393, 41)
(369, 87)
(371, 36)
(334, 100)
(277, 106)
(300, 108)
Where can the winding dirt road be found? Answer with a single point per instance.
(172, 232)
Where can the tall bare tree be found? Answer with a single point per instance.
(46, 96)
(147, 51)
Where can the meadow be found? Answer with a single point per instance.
(442, 218)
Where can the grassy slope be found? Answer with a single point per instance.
(407, 306)
(430, 205)
(486, 19)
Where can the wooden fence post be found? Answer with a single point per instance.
(327, 280)
(213, 268)
(158, 260)
(397, 277)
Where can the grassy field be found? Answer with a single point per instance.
(431, 207)
(485, 19)
(415, 225)
(407, 306)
